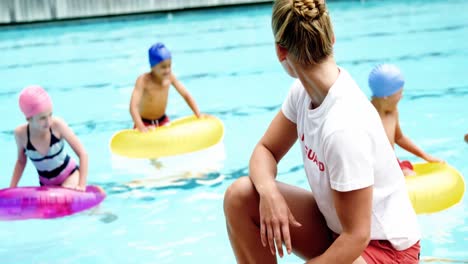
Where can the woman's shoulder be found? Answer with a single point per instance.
(297, 90)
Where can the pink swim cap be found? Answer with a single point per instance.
(34, 100)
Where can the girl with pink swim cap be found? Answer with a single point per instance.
(42, 138)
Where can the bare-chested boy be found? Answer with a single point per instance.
(149, 98)
(386, 83)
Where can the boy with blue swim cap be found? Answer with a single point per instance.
(385, 80)
(149, 98)
(386, 83)
(158, 53)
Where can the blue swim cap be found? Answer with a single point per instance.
(385, 80)
(157, 53)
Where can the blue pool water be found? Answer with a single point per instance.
(225, 57)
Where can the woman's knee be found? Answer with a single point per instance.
(238, 195)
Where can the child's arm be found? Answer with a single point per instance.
(68, 134)
(20, 162)
(186, 95)
(406, 143)
(135, 102)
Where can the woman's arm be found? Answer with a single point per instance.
(20, 161)
(275, 216)
(68, 134)
(349, 157)
(354, 212)
(275, 143)
(186, 95)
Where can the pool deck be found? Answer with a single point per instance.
(29, 11)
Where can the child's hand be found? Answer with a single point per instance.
(434, 159)
(80, 188)
(142, 129)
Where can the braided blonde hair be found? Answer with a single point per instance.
(304, 28)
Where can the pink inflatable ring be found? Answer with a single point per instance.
(46, 202)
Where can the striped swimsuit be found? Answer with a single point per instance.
(56, 166)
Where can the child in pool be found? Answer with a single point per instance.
(149, 98)
(386, 82)
(466, 138)
(42, 138)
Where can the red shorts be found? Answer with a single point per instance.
(162, 121)
(382, 252)
(405, 165)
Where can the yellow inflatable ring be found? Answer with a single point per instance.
(435, 187)
(181, 136)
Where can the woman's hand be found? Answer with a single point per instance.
(275, 218)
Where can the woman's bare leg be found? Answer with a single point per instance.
(360, 260)
(241, 208)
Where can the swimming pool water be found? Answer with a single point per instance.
(225, 57)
